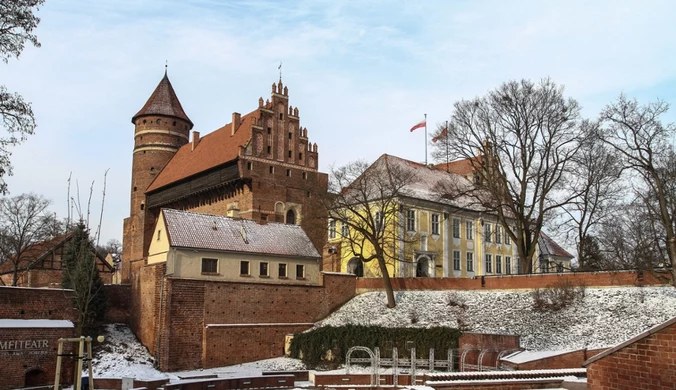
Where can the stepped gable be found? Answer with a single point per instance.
(163, 101)
(206, 231)
(214, 149)
(547, 246)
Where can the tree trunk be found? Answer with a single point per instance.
(671, 248)
(387, 283)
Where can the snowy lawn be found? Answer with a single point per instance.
(605, 317)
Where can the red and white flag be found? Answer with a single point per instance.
(420, 124)
(443, 134)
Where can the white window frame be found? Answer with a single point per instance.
(456, 227)
(488, 263)
(469, 256)
(498, 234)
(410, 220)
(469, 229)
(508, 265)
(488, 233)
(498, 264)
(456, 260)
(332, 229)
(435, 224)
(344, 229)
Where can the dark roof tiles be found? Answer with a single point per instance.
(163, 101)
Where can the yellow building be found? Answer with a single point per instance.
(426, 233)
(214, 247)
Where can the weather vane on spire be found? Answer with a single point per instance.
(166, 66)
(280, 70)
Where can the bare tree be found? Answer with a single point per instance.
(24, 222)
(595, 184)
(367, 199)
(526, 135)
(17, 23)
(646, 149)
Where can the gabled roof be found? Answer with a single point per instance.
(214, 149)
(635, 339)
(163, 101)
(214, 232)
(427, 183)
(548, 247)
(38, 251)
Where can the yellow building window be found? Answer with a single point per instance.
(209, 266)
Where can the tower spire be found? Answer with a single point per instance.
(280, 70)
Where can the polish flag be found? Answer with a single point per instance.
(420, 124)
(443, 134)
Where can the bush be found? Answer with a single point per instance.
(558, 295)
(313, 347)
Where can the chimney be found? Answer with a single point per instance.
(195, 139)
(236, 116)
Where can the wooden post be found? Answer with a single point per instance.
(57, 376)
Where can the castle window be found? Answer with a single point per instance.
(304, 175)
(498, 264)
(264, 217)
(470, 261)
(410, 220)
(456, 228)
(272, 169)
(300, 271)
(498, 234)
(290, 154)
(174, 123)
(435, 224)
(269, 130)
(288, 173)
(134, 188)
(291, 217)
(487, 233)
(263, 270)
(332, 229)
(249, 165)
(469, 230)
(456, 260)
(290, 135)
(144, 121)
(300, 155)
(143, 206)
(489, 264)
(281, 271)
(269, 149)
(243, 268)
(281, 116)
(158, 121)
(209, 266)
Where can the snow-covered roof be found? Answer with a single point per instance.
(549, 247)
(7, 323)
(426, 183)
(529, 356)
(216, 232)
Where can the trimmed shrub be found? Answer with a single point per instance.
(315, 346)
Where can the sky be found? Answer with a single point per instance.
(360, 72)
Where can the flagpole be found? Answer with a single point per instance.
(448, 169)
(425, 139)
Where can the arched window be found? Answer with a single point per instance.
(356, 267)
(291, 217)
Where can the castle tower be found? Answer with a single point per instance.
(161, 127)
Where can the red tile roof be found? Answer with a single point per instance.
(163, 102)
(214, 149)
(460, 167)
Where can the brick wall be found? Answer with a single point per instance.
(33, 303)
(188, 306)
(118, 303)
(572, 359)
(494, 343)
(16, 362)
(145, 303)
(591, 279)
(649, 363)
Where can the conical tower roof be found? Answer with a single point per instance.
(163, 102)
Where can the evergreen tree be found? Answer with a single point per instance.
(81, 275)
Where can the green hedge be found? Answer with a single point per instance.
(312, 346)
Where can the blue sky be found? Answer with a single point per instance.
(360, 72)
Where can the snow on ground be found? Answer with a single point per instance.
(605, 317)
